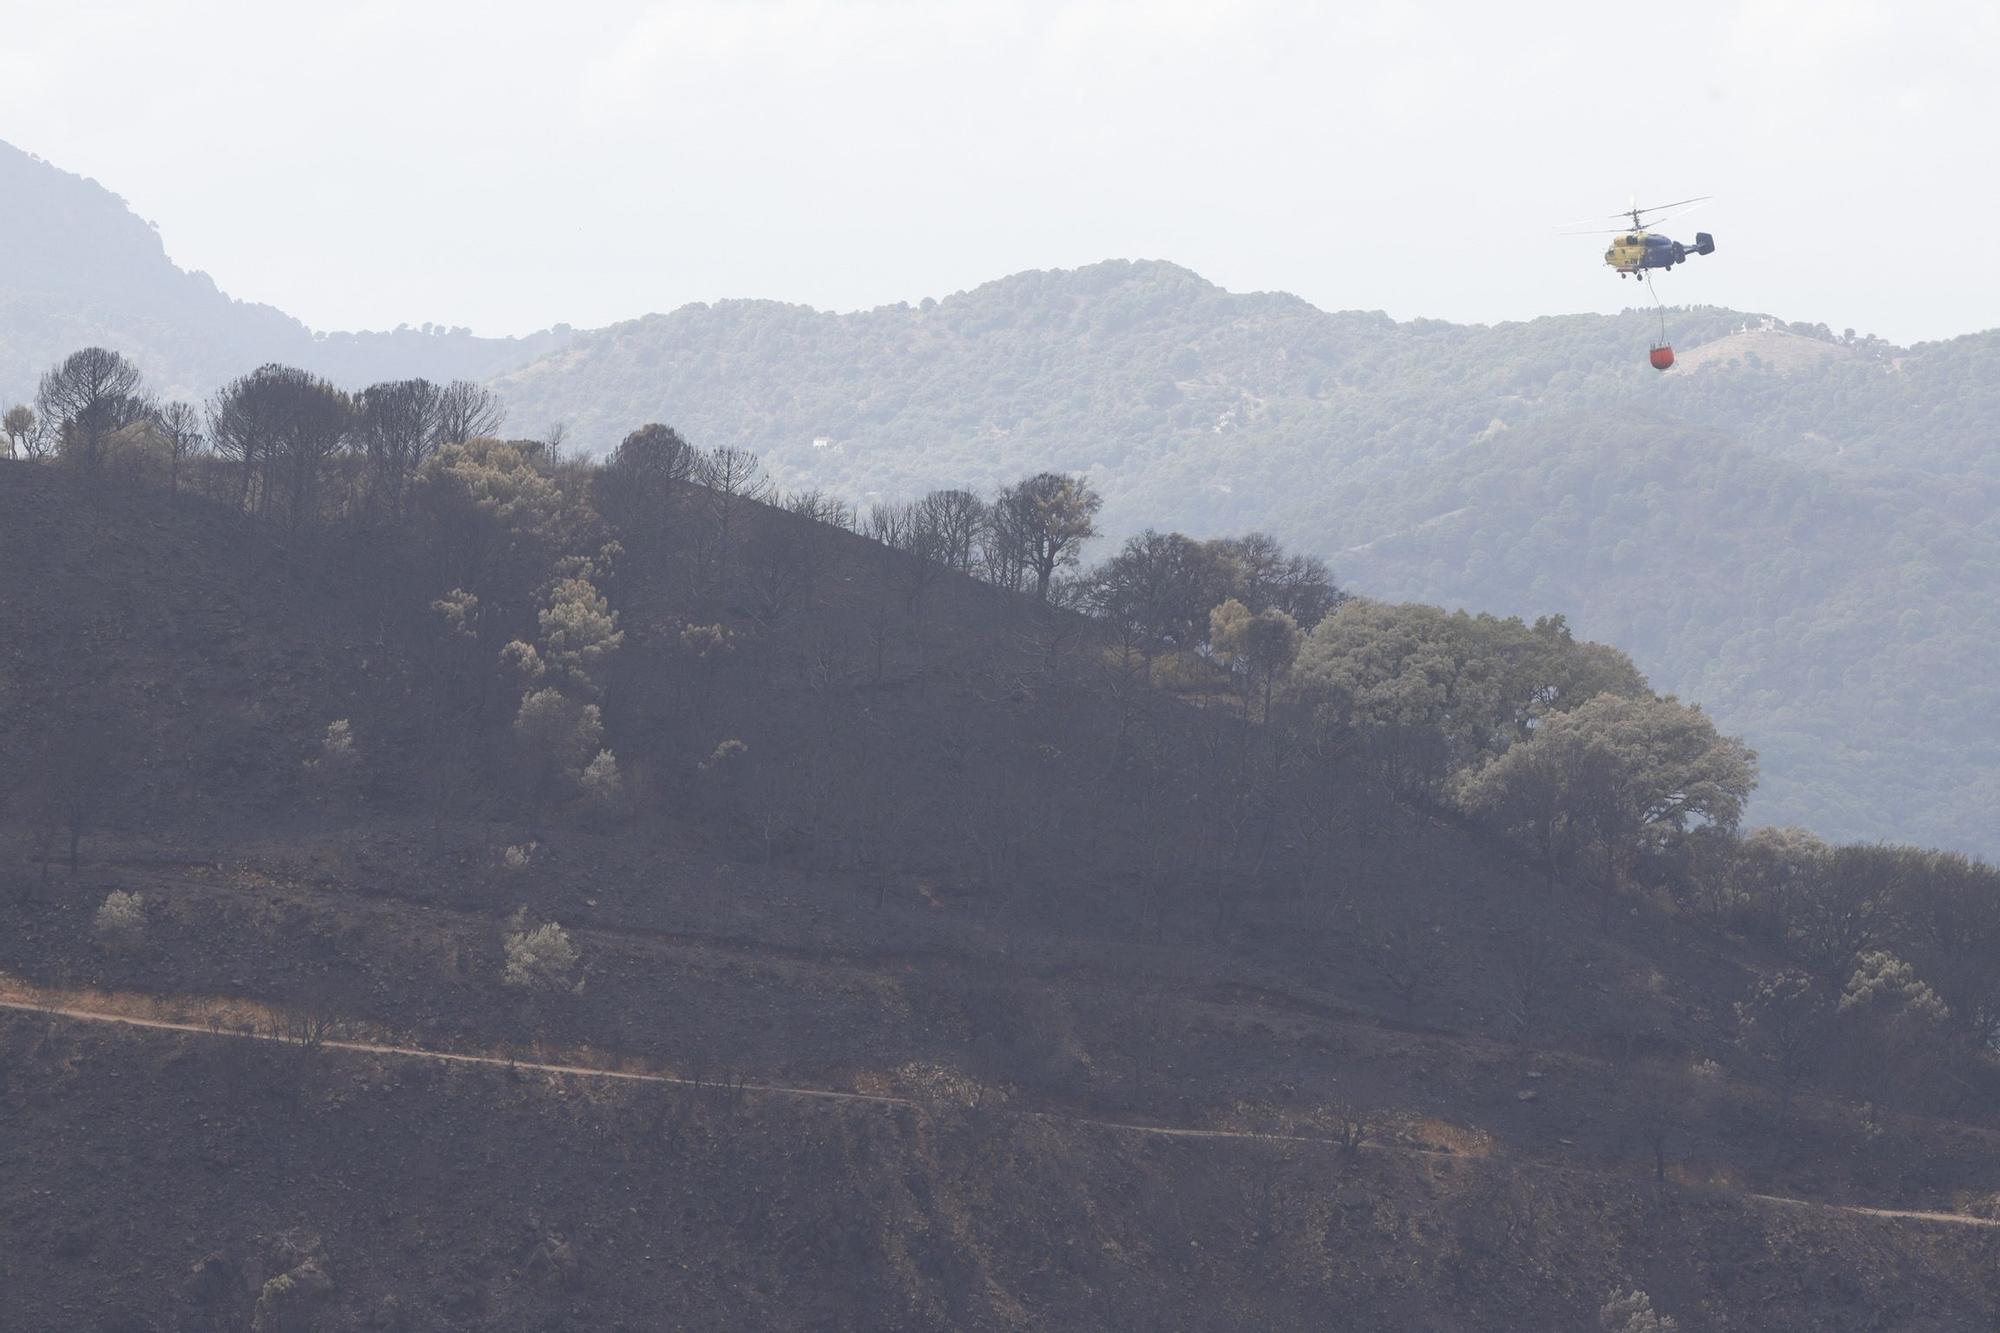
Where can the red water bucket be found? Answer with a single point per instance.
(1663, 356)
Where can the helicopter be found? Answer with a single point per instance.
(1633, 249)
(1635, 252)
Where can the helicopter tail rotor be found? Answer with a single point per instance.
(1704, 244)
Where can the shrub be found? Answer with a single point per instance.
(724, 756)
(541, 958)
(523, 660)
(121, 920)
(337, 752)
(460, 611)
(579, 630)
(337, 746)
(285, 1303)
(599, 779)
(273, 1299)
(561, 733)
(706, 641)
(1632, 1312)
(1883, 982)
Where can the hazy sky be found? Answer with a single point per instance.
(510, 165)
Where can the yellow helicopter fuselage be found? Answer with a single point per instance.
(1628, 252)
(1637, 250)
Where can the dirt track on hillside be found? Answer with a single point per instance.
(15, 997)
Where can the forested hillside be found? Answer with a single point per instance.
(78, 267)
(1797, 528)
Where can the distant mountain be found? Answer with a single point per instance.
(78, 267)
(1797, 528)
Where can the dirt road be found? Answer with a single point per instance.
(13, 997)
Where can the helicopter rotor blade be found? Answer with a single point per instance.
(1595, 222)
(1660, 208)
(1682, 211)
(1594, 225)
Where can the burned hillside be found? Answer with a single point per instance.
(988, 939)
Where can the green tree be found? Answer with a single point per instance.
(1841, 903)
(1262, 574)
(1539, 792)
(1785, 1020)
(1951, 921)
(540, 957)
(1258, 648)
(1049, 517)
(559, 734)
(1661, 765)
(494, 514)
(19, 426)
(1632, 771)
(1433, 693)
(1164, 586)
(1769, 876)
(579, 630)
(1893, 1026)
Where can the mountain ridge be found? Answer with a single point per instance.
(79, 267)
